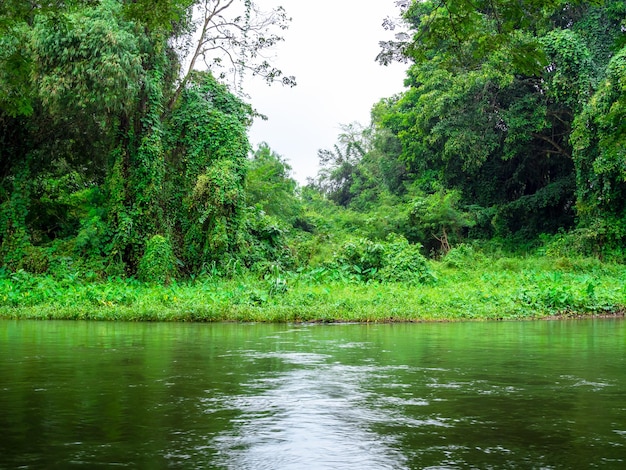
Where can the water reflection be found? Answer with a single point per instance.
(314, 416)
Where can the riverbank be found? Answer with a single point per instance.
(493, 289)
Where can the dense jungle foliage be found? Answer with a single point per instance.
(118, 159)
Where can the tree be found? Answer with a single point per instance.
(437, 216)
(599, 140)
(384, 157)
(494, 89)
(462, 33)
(338, 166)
(106, 144)
(270, 187)
(230, 37)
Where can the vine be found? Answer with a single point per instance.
(13, 213)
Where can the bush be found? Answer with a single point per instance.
(395, 260)
(361, 257)
(35, 260)
(157, 263)
(264, 240)
(597, 240)
(405, 263)
(462, 256)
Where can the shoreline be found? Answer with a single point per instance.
(83, 313)
(517, 289)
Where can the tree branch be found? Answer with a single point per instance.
(560, 150)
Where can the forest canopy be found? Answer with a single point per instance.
(124, 147)
(516, 107)
(117, 153)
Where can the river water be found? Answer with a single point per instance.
(545, 394)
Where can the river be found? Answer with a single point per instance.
(536, 394)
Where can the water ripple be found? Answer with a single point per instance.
(315, 418)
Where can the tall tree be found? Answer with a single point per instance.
(599, 139)
(338, 166)
(494, 89)
(230, 38)
(99, 154)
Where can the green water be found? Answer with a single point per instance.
(471, 395)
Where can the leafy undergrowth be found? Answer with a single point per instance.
(474, 288)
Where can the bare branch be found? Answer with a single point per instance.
(230, 38)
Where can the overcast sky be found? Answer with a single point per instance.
(330, 47)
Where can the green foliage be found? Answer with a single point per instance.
(215, 205)
(537, 287)
(263, 244)
(159, 14)
(136, 176)
(599, 154)
(117, 148)
(16, 92)
(88, 61)
(269, 186)
(207, 152)
(14, 237)
(512, 123)
(439, 216)
(90, 241)
(494, 92)
(594, 242)
(462, 256)
(157, 263)
(465, 31)
(383, 162)
(405, 263)
(34, 260)
(339, 166)
(570, 74)
(545, 211)
(394, 260)
(361, 258)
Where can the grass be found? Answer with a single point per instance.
(478, 289)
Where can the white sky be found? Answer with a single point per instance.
(330, 47)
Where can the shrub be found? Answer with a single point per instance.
(596, 240)
(157, 263)
(361, 257)
(462, 256)
(35, 260)
(405, 263)
(395, 260)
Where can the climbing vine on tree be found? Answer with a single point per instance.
(115, 150)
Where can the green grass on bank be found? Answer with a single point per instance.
(485, 289)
